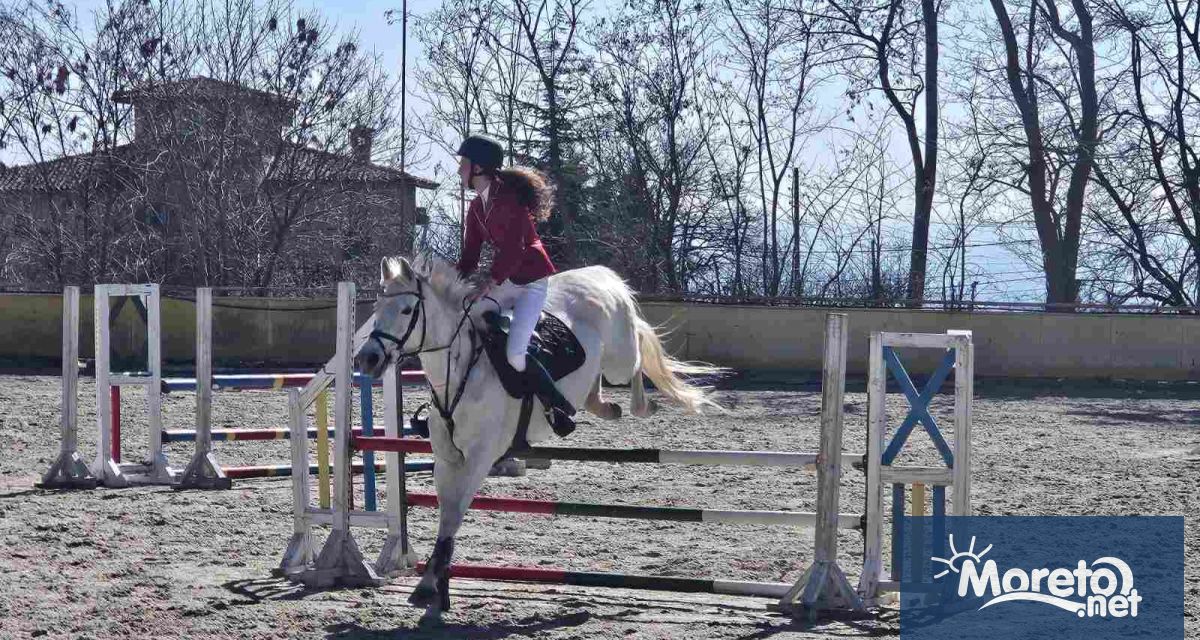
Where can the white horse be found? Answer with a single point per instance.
(421, 311)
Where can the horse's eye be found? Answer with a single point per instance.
(407, 310)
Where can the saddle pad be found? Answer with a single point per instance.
(553, 344)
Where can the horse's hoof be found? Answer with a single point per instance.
(650, 409)
(612, 411)
(508, 468)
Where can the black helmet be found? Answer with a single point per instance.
(483, 151)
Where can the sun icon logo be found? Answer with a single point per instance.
(958, 557)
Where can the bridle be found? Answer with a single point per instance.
(416, 311)
(444, 404)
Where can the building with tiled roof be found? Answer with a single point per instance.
(200, 143)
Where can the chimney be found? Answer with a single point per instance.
(360, 143)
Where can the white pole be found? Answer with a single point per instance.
(159, 471)
(204, 471)
(299, 553)
(105, 468)
(964, 391)
(396, 554)
(824, 585)
(872, 572)
(69, 470)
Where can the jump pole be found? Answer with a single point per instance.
(267, 381)
(299, 552)
(368, 417)
(204, 471)
(396, 554)
(342, 556)
(340, 560)
(69, 471)
(249, 435)
(285, 470)
(322, 416)
(712, 457)
(824, 585)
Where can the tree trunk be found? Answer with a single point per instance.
(926, 177)
(1058, 263)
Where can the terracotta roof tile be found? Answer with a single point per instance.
(301, 164)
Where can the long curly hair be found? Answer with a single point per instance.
(532, 189)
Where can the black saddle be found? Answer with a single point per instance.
(552, 347)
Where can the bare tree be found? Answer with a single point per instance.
(650, 59)
(895, 52)
(549, 29)
(247, 178)
(730, 150)
(779, 61)
(1058, 224)
(1151, 173)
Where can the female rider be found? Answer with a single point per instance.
(502, 217)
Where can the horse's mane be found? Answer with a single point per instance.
(442, 276)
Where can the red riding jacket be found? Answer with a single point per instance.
(508, 225)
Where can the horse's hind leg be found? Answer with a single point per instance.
(642, 406)
(595, 401)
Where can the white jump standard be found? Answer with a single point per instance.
(960, 358)
(154, 468)
(69, 469)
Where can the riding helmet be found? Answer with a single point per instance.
(482, 151)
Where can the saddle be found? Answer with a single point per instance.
(553, 346)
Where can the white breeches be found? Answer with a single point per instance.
(526, 301)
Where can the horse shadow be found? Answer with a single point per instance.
(432, 627)
(258, 590)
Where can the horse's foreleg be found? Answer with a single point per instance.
(642, 406)
(456, 487)
(596, 405)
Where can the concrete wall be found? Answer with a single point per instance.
(292, 333)
(1019, 345)
(247, 332)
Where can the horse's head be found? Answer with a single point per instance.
(400, 323)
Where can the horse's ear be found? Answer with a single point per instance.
(392, 268)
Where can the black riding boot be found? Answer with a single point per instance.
(559, 410)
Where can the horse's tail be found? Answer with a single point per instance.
(665, 372)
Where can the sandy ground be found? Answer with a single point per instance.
(152, 562)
